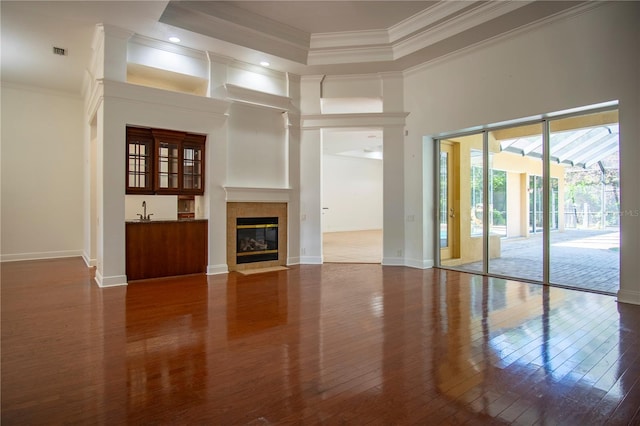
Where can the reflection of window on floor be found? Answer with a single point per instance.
(497, 198)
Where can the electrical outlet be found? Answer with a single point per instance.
(303, 217)
(411, 218)
(304, 251)
(399, 253)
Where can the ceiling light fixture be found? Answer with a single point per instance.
(174, 39)
(264, 63)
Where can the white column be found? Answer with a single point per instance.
(393, 186)
(630, 199)
(218, 73)
(215, 196)
(111, 48)
(393, 252)
(110, 186)
(110, 52)
(293, 208)
(310, 174)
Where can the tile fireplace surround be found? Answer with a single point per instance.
(253, 209)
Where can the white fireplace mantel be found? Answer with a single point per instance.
(257, 195)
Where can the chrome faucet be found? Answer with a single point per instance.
(144, 216)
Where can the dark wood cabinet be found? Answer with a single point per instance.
(166, 248)
(164, 162)
(140, 159)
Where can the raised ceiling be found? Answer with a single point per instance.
(302, 37)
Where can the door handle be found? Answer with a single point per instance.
(451, 213)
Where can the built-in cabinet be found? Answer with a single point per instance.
(164, 162)
(165, 248)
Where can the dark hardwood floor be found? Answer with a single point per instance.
(333, 344)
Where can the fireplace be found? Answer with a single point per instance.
(265, 224)
(257, 239)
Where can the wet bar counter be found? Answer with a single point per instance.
(166, 248)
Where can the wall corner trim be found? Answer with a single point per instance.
(113, 281)
(88, 261)
(217, 269)
(420, 263)
(311, 260)
(631, 297)
(393, 261)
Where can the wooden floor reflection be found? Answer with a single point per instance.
(331, 344)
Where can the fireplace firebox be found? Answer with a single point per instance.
(257, 239)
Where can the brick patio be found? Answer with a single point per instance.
(586, 259)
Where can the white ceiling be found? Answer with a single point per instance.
(302, 37)
(335, 16)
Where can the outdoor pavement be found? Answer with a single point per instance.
(586, 259)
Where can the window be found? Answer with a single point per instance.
(164, 162)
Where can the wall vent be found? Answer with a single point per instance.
(59, 51)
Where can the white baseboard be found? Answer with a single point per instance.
(419, 263)
(114, 281)
(393, 261)
(293, 261)
(217, 269)
(40, 255)
(626, 296)
(89, 262)
(310, 260)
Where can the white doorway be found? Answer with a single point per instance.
(352, 199)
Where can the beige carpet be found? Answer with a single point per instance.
(261, 270)
(352, 247)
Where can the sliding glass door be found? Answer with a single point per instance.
(538, 201)
(461, 175)
(586, 251)
(516, 248)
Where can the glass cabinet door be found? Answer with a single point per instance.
(168, 165)
(192, 167)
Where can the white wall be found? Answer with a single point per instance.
(351, 193)
(257, 78)
(258, 149)
(125, 104)
(42, 174)
(182, 61)
(163, 207)
(581, 60)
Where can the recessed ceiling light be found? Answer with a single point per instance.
(264, 63)
(174, 39)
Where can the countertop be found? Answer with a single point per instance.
(164, 221)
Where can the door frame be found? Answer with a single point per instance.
(451, 251)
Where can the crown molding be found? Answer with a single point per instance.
(231, 24)
(149, 95)
(425, 18)
(113, 31)
(432, 35)
(424, 29)
(263, 195)
(564, 14)
(350, 55)
(348, 38)
(374, 119)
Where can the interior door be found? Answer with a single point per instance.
(448, 236)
